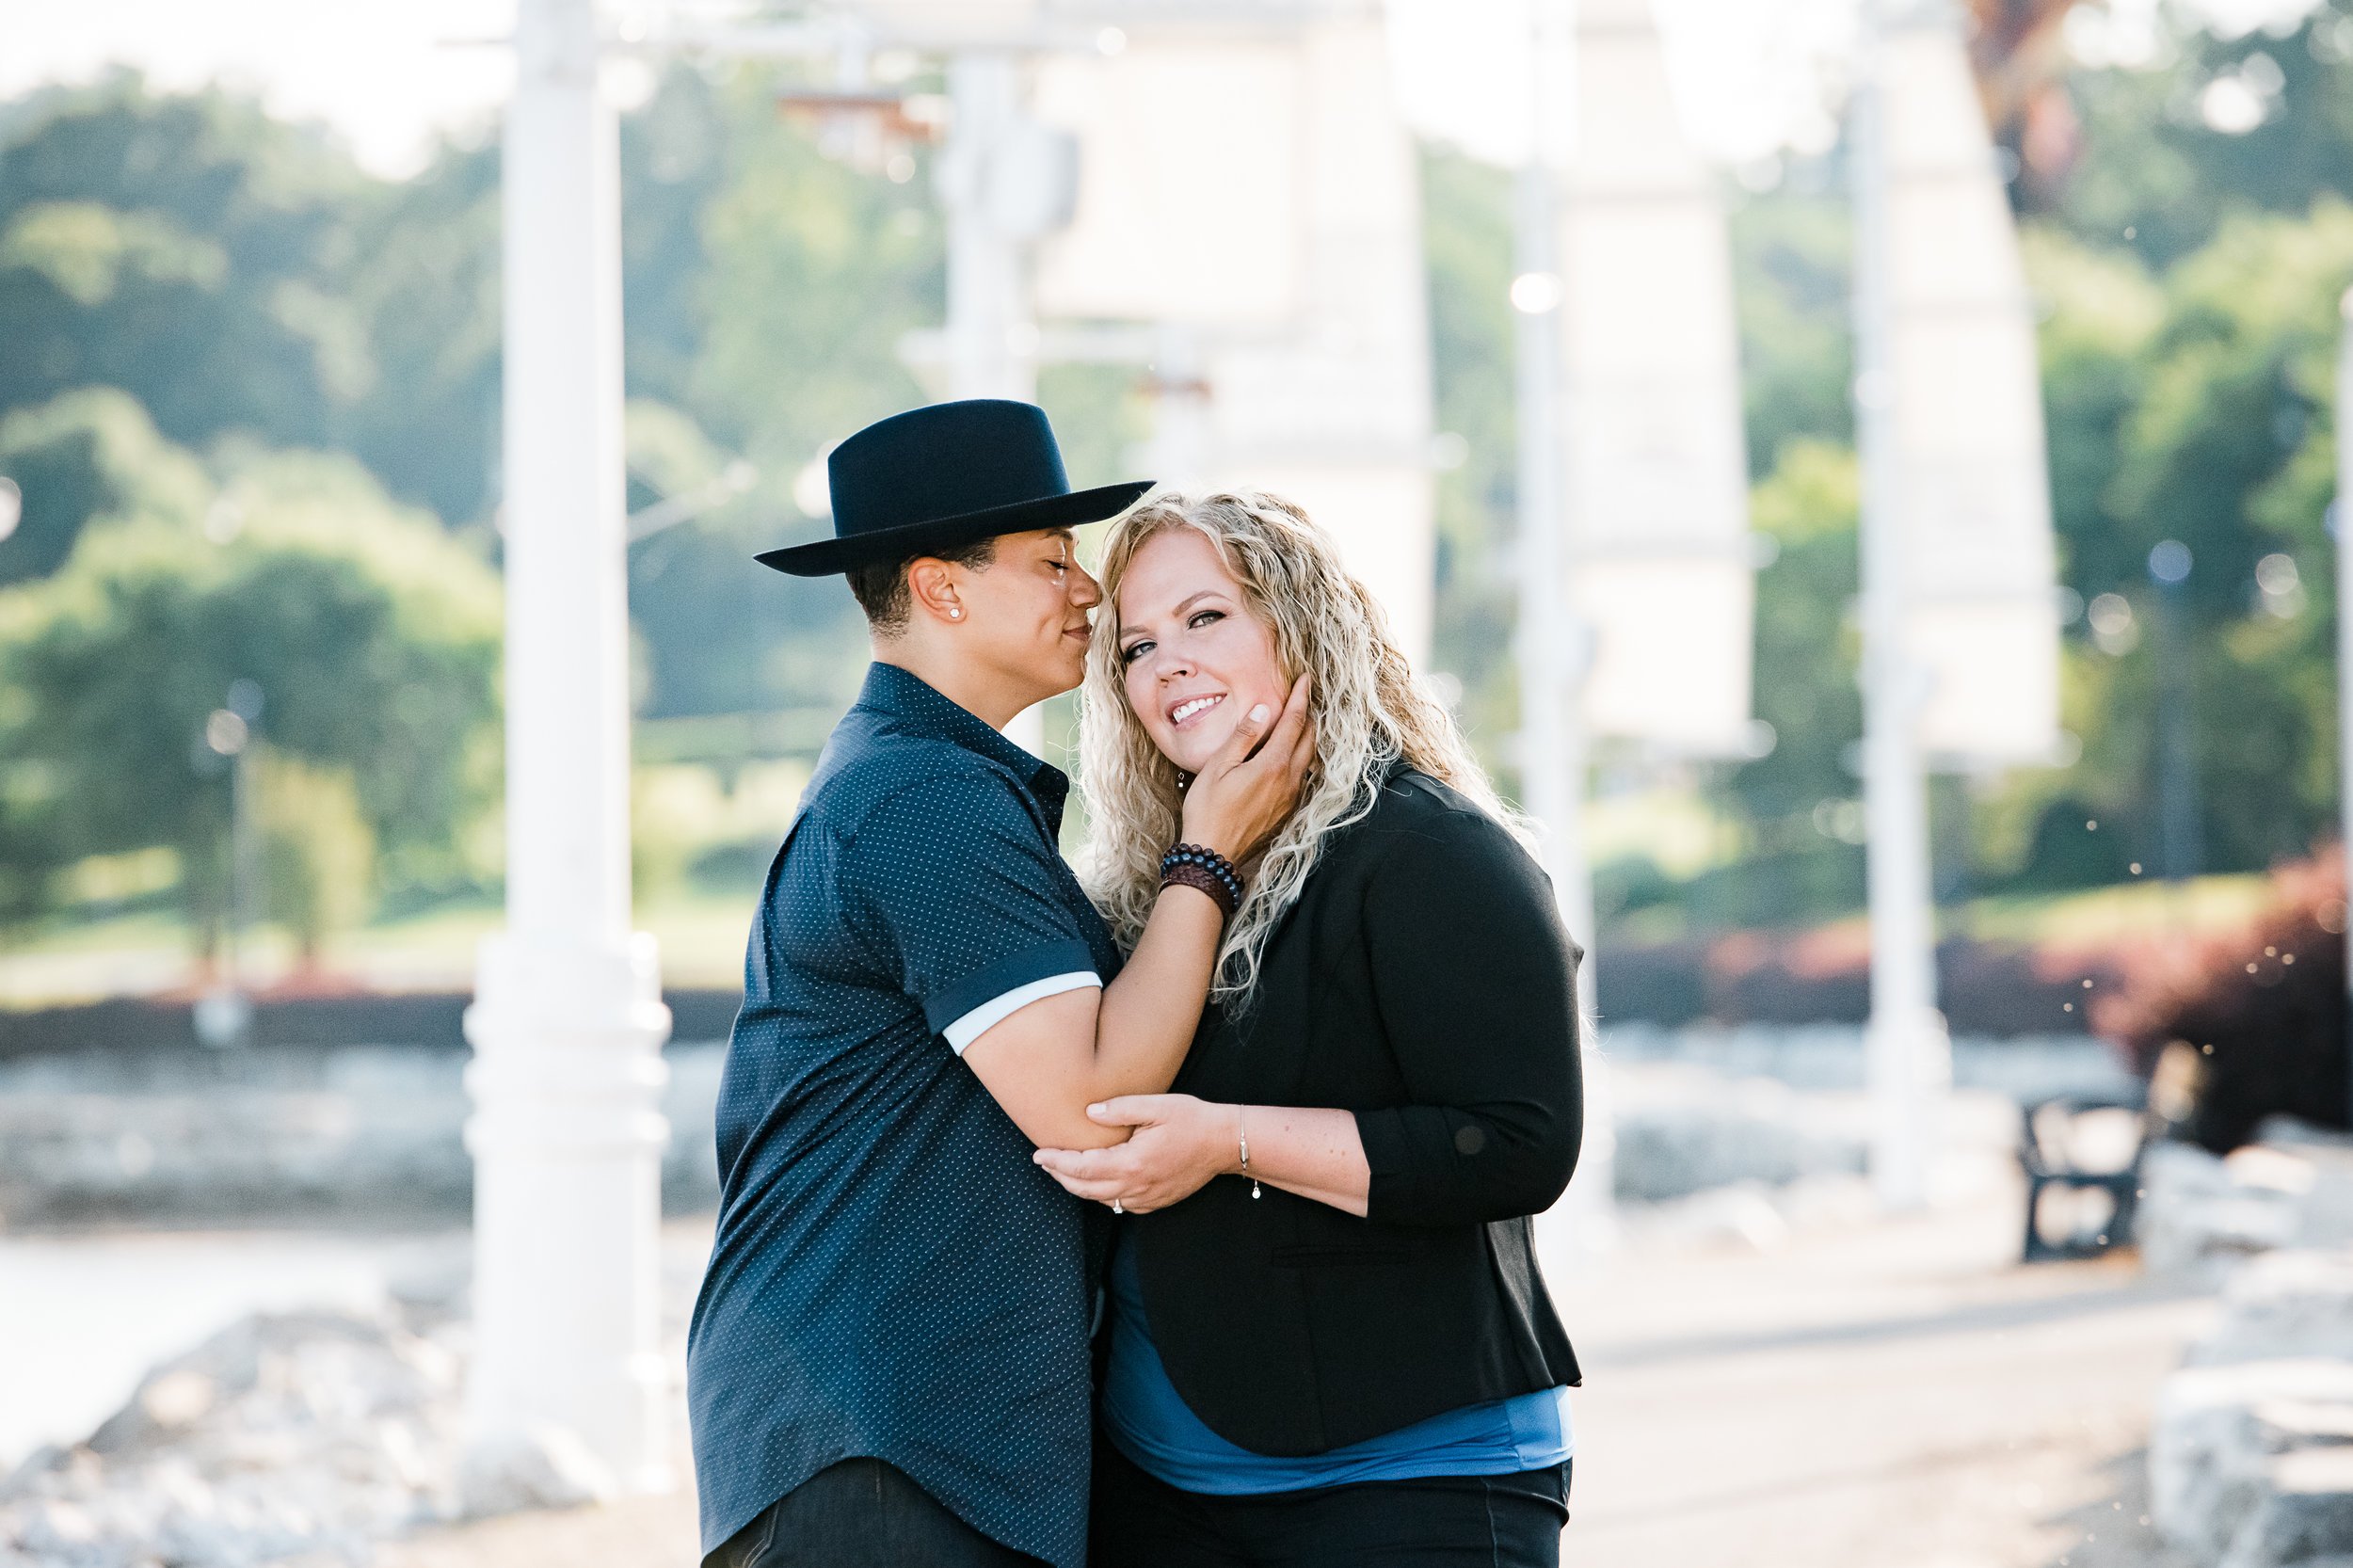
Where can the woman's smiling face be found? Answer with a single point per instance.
(1192, 656)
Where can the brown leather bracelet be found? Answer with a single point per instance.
(1211, 861)
(1201, 878)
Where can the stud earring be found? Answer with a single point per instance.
(955, 615)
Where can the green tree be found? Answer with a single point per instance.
(2195, 407)
(317, 854)
(183, 248)
(1791, 265)
(423, 283)
(2163, 165)
(84, 455)
(372, 636)
(1806, 642)
(2099, 310)
(2229, 451)
(1795, 803)
(2236, 387)
(1467, 243)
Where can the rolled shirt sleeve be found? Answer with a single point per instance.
(972, 1025)
(1476, 984)
(955, 884)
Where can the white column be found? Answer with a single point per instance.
(1181, 436)
(991, 335)
(568, 1020)
(2344, 614)
(1908, 1054)
(1549, 646)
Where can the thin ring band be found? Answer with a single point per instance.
(1115, 1208)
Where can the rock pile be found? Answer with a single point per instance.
(2251, 1462)
(1682, 1129)
(305, 1434)
(1704, 1161)
(219, 1137)
(301, 1437)
(2203, 1216)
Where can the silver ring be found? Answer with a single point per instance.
(1115, 1208)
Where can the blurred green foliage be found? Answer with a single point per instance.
(317, 853)
(372, 636)
(1468, 243)
(185, 250)
(2157, 175)
(1790, 256)
(89, 454)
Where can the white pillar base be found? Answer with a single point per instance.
(567, 1138)
(1909, 1060)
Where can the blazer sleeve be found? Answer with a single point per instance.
(1475, 981)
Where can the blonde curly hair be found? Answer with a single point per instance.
(1368, 710)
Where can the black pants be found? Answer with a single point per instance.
(861, 1514)
(1443, 1522)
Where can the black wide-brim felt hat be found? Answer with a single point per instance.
(942, 477)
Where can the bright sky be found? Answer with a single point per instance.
(390, 75)
(377, 70)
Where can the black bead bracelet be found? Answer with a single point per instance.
(1185, 863)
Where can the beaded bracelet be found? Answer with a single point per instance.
(1217, 864)
(1193, 866)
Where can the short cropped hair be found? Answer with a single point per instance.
(882, 588)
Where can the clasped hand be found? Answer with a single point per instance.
(1179, 1143)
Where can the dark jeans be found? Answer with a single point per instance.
(861, 1514)
(1443, 1522)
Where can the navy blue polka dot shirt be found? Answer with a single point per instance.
(892, 1277)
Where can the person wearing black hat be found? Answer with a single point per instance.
(888, 1360)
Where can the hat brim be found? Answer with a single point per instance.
(847, 552)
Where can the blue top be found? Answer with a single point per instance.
(1149, 1422)
(892, 1276)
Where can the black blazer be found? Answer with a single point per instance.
(1423, 981)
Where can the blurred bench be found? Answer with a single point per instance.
(2081, 1154)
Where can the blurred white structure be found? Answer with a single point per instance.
(1551, 644)
(568, 1020)
(1960, 627)
(1636, 596)
(1188, 202)
(1002, 183)
(1005, 180)
(1253, 196)
(1979, 570)
(1659, 566)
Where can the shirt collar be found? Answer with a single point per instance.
(914, 702)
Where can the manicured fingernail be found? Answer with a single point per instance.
(1095, 1111)
(1257, 715)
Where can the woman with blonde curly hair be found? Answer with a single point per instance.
(1329, 1340)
